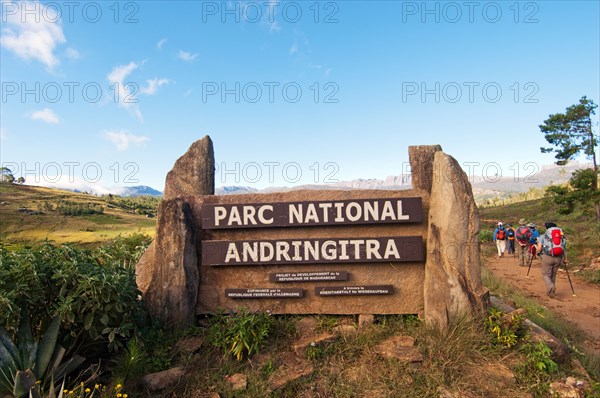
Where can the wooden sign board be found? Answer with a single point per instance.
(363, 248)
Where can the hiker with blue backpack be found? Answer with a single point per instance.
(510, 239)
(500, 239)
(552, 245)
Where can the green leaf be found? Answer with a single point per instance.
(93, 332)
(104, 319)
(57, 357)
(69, 366)
(87, 323)
(24, 336)
(8, 351)
(46, 348)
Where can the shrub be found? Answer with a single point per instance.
(241, 334)
(507, 330)
(95, 296)
(486, 236)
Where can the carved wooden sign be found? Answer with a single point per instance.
(313, 251)
(361, 249)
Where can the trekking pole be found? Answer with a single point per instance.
(569, 277)
(531, 256)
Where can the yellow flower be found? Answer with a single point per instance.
(118, 386)
(97, 386)
(119, 395)
(124, 395)
(65, 391)
(87, 390)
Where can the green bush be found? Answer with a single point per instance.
(94, 294)
(241, 334)
(538, 369)
(507, 331)
(486, 236)
(68, 208)
(123, 250)
(145, 205)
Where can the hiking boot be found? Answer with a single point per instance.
(552, 292)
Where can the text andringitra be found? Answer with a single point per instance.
(312, 251)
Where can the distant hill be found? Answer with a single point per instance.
(139, 190)
(529, 176)
(231, 190)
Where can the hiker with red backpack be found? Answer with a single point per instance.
(500, 239)
(523, 236)
(553, 248)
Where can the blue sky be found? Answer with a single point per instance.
(111, 93)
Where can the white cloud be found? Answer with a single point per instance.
(268, 18)
(46, 115)
(294, 49)
(161, 43)
(186, 56)
(122, 139)
(32, 36)
(274, 27)
(72, 54)
(71, 183)
(153, 85)
(124, 95)
(118, 74)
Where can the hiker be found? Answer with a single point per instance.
(500, 239)
(552, 245)
(533, 241)
(523, 235)
(510, 242)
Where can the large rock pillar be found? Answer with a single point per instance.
(453, 287)
(167, 274)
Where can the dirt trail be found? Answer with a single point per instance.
(583, 309)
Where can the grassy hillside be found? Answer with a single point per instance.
(580, 227)
(30, 215)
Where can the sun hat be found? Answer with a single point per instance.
(522, 221)
(499, 224)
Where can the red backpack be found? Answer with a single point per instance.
(523, 235)
(554, 244)
(501, 234)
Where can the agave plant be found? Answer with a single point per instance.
(28, 367)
